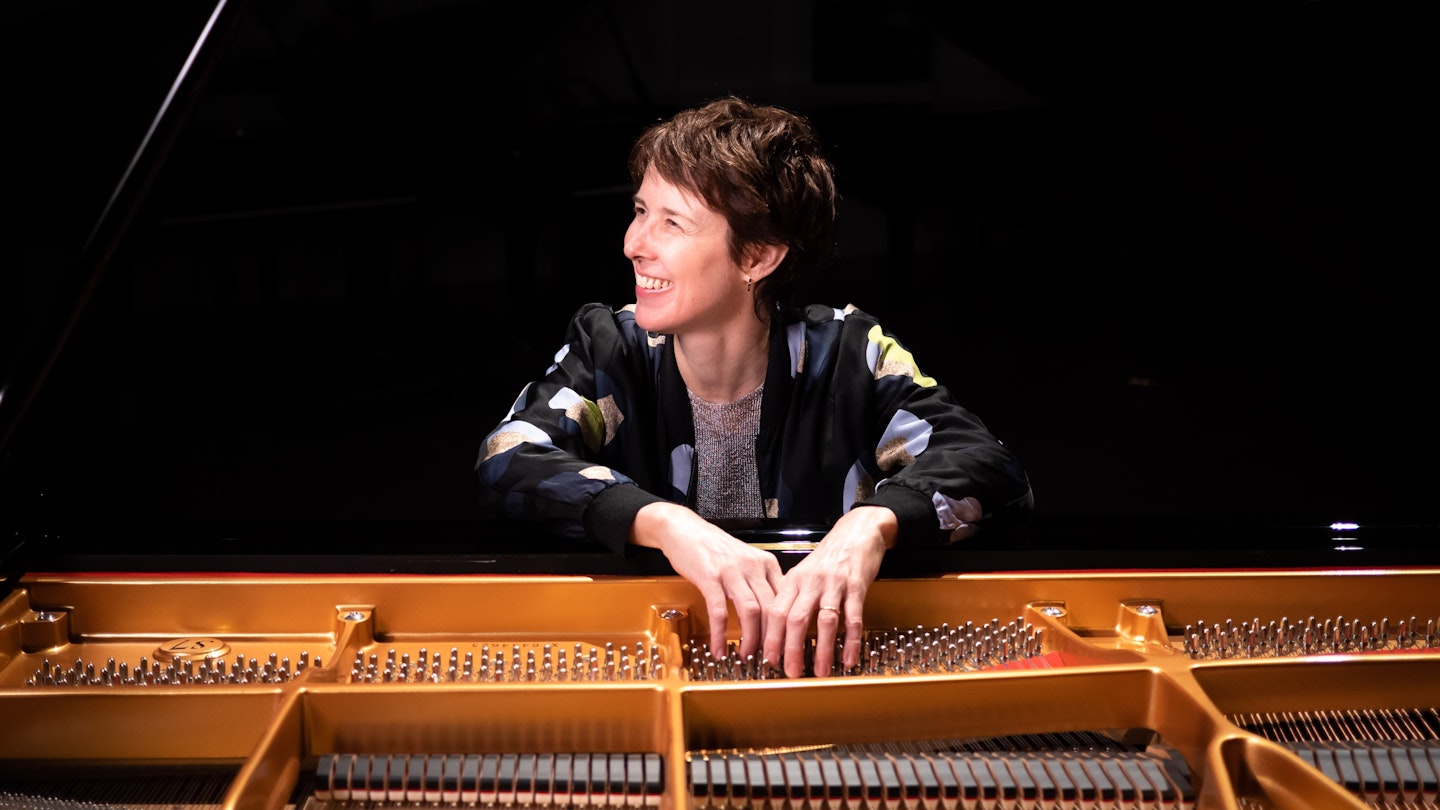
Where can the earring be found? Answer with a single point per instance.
(749, 285)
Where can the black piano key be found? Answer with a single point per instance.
(489, 774)
(470, 779)
(415, 778)
(324, 777)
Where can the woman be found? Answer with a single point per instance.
(711, 397)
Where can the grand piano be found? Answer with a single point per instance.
(242, 561)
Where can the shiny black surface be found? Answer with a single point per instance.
(1179, 272)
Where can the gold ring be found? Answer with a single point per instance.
(827, 607)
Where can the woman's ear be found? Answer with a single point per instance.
(761, 260)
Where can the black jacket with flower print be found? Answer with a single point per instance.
(846, 419)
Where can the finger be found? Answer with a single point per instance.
(827, 622)
(749, 600)
(716, 614)
(775, 623)
(854, 625)
(797, 621)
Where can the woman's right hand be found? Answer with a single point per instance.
(720, 566)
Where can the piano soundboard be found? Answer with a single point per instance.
(1281, 689)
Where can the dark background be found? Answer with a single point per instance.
(1177, 257)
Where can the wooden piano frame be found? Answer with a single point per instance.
(1117, 632)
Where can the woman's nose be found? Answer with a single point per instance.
(636, 241)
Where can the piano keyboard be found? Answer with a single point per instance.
(1050, 772)
(1388, 758)
(491, 780)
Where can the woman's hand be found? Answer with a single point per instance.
(721, 566)
(828, 585)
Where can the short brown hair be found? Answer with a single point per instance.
(763, 169)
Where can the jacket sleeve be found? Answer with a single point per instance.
(939, 467)
(543, 462)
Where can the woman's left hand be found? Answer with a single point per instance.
(827, 586)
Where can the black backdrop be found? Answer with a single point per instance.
(1177, 258)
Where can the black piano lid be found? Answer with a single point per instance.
(1182, 288)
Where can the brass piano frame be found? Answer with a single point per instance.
(1117, 632)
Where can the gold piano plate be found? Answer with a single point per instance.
(1105, 651)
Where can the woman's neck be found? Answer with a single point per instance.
(723, 367)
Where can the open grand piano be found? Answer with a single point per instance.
(181, 631)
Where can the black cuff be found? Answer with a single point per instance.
(612, 513)
(919, 526)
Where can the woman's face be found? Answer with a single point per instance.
(685, 281)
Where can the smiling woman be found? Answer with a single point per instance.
(715, 397)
